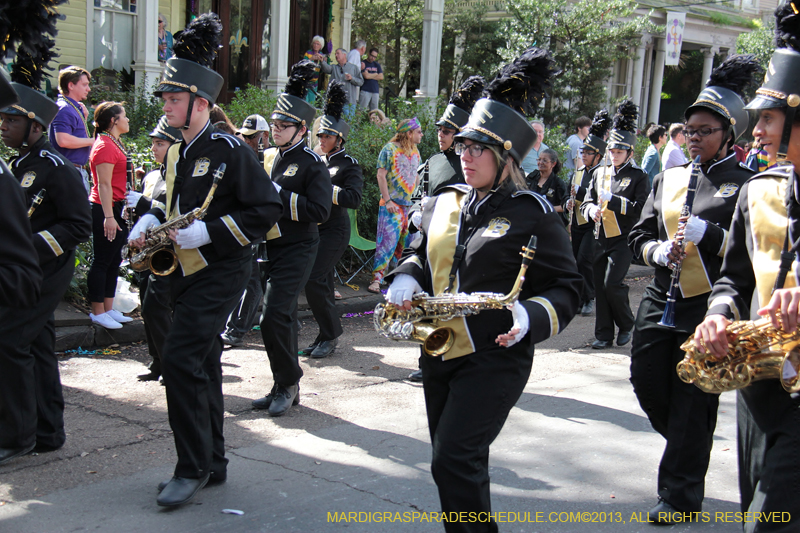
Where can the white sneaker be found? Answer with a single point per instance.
(105, 321)
(119, 317)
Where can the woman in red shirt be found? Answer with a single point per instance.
(108, 163)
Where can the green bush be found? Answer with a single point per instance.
(251, 101)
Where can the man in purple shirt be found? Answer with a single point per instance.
(69, 133)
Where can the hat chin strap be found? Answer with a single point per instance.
(783, 150)
(27, 134)
(189, 111)
(290, 142)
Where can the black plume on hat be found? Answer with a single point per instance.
(735, 73)
(787, 27)
(299, 78)
(522, 84)
(28, 22)
(469, 93)
(200, 41)
(31, 61)
(336, 99)
(600, 124)
(625, 117)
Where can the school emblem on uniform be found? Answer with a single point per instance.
(625, 182)
(291, 170)
(497, 227)
(332, 170)
(550, 192)
(726, 190)
(201, 167)
(27, 179)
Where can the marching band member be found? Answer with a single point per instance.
(334, 234)
(213, 254)
(31, 399)
(305, 189)
(682, 413)
(756, 281)
(468, 231)
(613, 202)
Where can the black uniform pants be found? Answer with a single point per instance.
(768, 420)
(244, 315)
(463, 423)
(583, 251)
(612, 259)
(31, 400)
(288, 269)
(157, 315)
(683, 414)
(334, 237)
(101, 281)
(191, 364)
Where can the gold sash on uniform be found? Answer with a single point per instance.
(694, 277)
(191, 260)
(269, 159)
(768, 223)
(610, 224)
(577, 178)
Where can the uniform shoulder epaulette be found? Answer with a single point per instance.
(351, 158)
(312, 152)
(460, 187)
(231, 140)
(543, 202)
(634, 165)
(783, 172)
(54, 158)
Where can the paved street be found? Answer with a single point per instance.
(575, 442)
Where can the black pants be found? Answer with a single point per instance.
(768, 420)
(612, 259)
(288, 269)
(583, 251)
(334, 236)
(683, 414)
(157, 315)
(463, 423)
(101, 281)
(244, 315)
(31, 401)
(191, 364)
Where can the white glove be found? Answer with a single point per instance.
(195, 236)
(416, 218)
(695, 229)
(576, 188)
(132, 198)
(592, 211)
(604, 195)
(402, 289)
(521, 322)
(661, 253)
(424, 201)
(277, 187)
(140, 228)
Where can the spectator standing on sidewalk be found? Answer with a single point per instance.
(373, 73)
(69, 131)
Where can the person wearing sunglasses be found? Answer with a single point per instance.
(471, 239)
(755, 282)
(165, 40)
(678, 410)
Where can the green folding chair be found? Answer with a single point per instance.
(363, 249)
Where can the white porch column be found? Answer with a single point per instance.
(279, 47)
(347, 23)
(432, 16)
(708, 64)
(658, 80)
(638, 72)
(146, 68)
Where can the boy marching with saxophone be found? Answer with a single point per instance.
(683, 414)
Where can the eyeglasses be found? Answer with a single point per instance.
(161, 22)
(702, 132)
(373, 56)
(280, 127)
(475, 150)
(445, 130)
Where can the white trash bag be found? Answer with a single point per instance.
(125, 301)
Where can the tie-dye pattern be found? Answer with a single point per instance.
(401, 172)
(391, 238)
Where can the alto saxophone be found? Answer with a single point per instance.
(422, 324)
(157, 254)
(36, 201)
(756, 350)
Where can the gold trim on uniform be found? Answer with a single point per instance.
(726, 300)
(551, 313)
(191, 260)
(763, 91)
(51, 242)
(721, 251)
(487, 133)
(336, 190)
(293, 205)
(716, 104)
(235, 231)
(577, 178)
(646, 252)
(269, 159)
(274, 232)
(414, 259)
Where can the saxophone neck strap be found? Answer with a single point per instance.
(787, 254)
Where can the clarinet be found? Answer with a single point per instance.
(36, 201)
(572, 201)
(668, 318)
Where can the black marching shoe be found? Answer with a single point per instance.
(624, 337)
(324, 349)
(587, 308)
(266, 401)
(283, 398)
(9, 454)
(416, 375)
(150, 376)
(180, 490)
(602, 345)
(214, 478)
(665, 514)
(230, 340)
(308, 350)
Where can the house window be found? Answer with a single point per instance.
(114, 33)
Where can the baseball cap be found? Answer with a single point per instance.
(253, 124)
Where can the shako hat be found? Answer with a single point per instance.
(166, 132)
(291, 105)
(456, 114)
(623, 126)
(596, 140)
(723, 92)
(499, 117)
(331, 122)
(781, 86)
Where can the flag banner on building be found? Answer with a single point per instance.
(676, 22)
